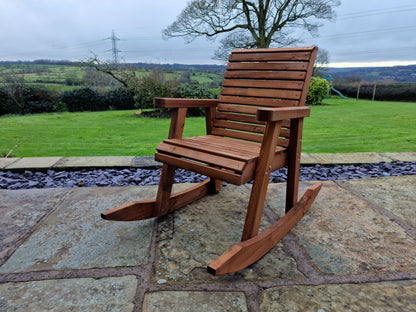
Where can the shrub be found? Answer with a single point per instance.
(38, 100)
(318, 90)
(6, 105)
(150, 87)
(60, 107)
(194, 91)
(119, 99)
(84, 99)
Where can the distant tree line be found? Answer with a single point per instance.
(18, 97)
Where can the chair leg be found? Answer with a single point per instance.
(292, 185)
(293, 169)
(255, 208)
(214, 186)
(261, 181)
(163, 197)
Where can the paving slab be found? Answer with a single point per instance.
(75, 237)
(82, 294)
(34, 163)
(20, 211)
(401, 156)
(395, 194)
(4, 162)
(95, 162)
(145, 162)
(376, 297)
(185, 301)
(308, 159)
(196, 235)
(343, 234)
(350, 158)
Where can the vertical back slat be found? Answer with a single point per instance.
(262, 78)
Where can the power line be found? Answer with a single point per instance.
(365, 32)
(379, 51)
(373, 12)
(85, 44)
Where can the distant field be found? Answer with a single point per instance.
(67, 77)
(342, 126)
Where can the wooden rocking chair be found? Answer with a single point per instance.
(254, 128)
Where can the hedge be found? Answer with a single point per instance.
(32, 100)
(400, 92)
(84, 99)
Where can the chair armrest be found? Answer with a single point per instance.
(182, 103)
(282, 113)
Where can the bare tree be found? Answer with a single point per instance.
(321, 63)
(250, 24)
(142, 87)
(124, 75)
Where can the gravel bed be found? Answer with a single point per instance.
(116, 177)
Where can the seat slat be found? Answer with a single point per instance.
(241, 150)
(225, 148)
(246, 149)
(268, 93)
(206, 157)
(223, 175)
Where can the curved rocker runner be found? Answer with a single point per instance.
(253, 129)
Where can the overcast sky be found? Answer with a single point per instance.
(364, 31)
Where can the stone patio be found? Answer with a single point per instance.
(355, 250)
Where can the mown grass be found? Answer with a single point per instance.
(86, 134)
(347, 125)
(342, 126)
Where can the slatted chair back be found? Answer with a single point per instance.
(264, 78)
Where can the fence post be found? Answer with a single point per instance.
(374, 90)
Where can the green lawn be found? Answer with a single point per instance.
(343, 126)
(347, 126)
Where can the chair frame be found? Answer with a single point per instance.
(253, 246)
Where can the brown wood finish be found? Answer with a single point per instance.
(261, 181)
(254, 128)
(247, 252)
(256, 101)
(283, 66)
(184, 103)
(141, 210)
(274, 114)
(267, 84)
(284, 75)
